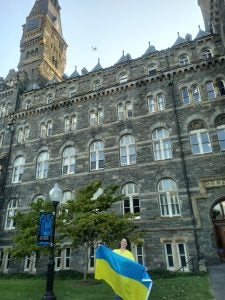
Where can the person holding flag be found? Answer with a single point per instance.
(128, 279)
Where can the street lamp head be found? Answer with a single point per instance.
(55, 194)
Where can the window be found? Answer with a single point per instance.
(1, 257)
(93, 118)
(3, 110)
(10, 213)
(195, 93)
(218, 211)
(46, 129)
(30, 263)
(206, 54)
(221, 136)
(27, 104)
(49, 98)
(96, 118)
(176, 256)
(184, 60)
(97, 85)
(168, 198)
(67, 124)
(151, 71)
(121, 112)
(160, 102)
(23, 134)
(221, 88)
(91, 258)
(139, 254)
(62, 259)
(131, 204)
(127, 150)
(2, 137)
(67, 195)
(98, 193)
(68, 162)
(7, 258)
(129, 110)
(200, 142)
(42, 165)
(123, 78)
(161, 144)
(156, 104)
(73, 122)
(18, 169)
(210, 90)
(72, 92)
(125, 111)
(97, 155)
(185, 96)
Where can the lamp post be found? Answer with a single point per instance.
(55, 196)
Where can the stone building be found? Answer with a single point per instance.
(154, 125)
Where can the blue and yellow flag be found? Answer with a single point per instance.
(127, 278)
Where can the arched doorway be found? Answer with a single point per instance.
(218, 219)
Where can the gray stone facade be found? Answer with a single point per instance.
(199, 178)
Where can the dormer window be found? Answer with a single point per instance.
(123, 78)
(152, 71)
(97, 85)
(184, 60)
(49, 98)
(206, 54)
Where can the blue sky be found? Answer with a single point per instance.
(110, 25)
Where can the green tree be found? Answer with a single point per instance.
(87, 221)
(25, 238)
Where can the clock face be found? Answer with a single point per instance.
(32, 24)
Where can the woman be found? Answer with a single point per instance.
(124, 250)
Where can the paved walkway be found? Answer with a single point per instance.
(217, 277)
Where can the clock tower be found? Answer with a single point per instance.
(42, 46)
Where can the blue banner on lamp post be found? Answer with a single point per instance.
(45, 228)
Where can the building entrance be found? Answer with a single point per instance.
(218, 219)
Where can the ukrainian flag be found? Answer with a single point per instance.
(128, 279)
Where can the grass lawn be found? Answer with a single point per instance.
(185, 288)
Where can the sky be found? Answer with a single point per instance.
(109, 25)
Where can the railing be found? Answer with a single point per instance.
(193, 262)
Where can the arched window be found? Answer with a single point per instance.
(185, 96)
(68, 161)
(10, 213)
(161, 144)
(152, 71)
(96, 117)
(221, 88)
(127, 150)
(18, 168)
(199, 138)
(168, 198)
(131, 204)
(210, 90)
(206, 54)
(184, 60)
(100, 116)
(42, 165)
(195, 93)
(67, 124)
(20, 135)
(66, 196)
(97, 155)
(220, 128)
(218, 211)
(123, 78)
